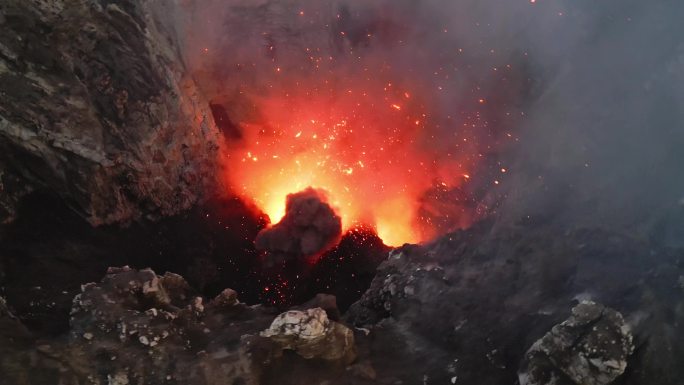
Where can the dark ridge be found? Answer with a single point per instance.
(49, 251)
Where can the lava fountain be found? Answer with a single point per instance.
(368, 148)
(347, 101)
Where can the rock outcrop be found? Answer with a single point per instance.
(466, 309)
(142, 327)
(589, 348)
(312, 335)
(135, 327)
(463, 310)
(95, 108)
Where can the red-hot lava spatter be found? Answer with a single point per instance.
(340, 103)
(372, 148)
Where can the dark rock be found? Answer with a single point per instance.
(97, 95)
(227, 298)
(12, 332)
(326, 302)
(462, 310)
(137, 327)
(309, 228)
(468, 306)
(589, 348)
(142, 327)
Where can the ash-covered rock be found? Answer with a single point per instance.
(466, 308)
(589, 348)
(310, 227)
(395, 282)
(312, 335)
(99, 110)
(142, 327)
(135, 327)
(462, 310)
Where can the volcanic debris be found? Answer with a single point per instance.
(311, 334)
(135, 327)
(589, 348)
(310, 226)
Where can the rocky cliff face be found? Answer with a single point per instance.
(95, 107)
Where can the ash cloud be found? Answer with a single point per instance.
(310, 227)
(591, 93)
(601, 145)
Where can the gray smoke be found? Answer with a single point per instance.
(602, 141)
(586, 97)
(309, 227)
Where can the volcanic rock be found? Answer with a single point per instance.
(466, 308)
(310, 226)
(326, 302)
(140, 326)
(12, 332)
(312, 335)
(228, 297)
(135, 327)
(589, 348)
(100, 112)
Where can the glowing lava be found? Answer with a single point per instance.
(371, 149)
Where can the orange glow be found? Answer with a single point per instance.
(402, 135)
(374, 162)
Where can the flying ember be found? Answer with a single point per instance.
(343, 104)
(373, 157)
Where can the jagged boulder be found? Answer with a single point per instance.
(312, 335)
(589, 348)
(141, 326)
(135, 326)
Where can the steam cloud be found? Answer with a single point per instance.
(309, 227)
(583, 99)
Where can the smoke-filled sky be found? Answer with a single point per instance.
(566, 109)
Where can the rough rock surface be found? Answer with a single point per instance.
(466, 308)
(463, 310)
(99, 111)
(14, 338)
(312, 335)
(142, 327)
(589, 348)
(135, 327)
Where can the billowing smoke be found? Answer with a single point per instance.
(309, 227)
(601, 144)
(566, 110)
